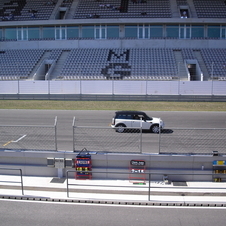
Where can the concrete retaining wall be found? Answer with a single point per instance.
(35, 164)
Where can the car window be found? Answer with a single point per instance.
(136, 117)
(147, 117)
(124, 116)
(139, 117)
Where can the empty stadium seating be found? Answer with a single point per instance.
(135, 63)
(214, 60)
(143, 61)
(130, 9)
(95, 63)
(210, 9)
(18, 64)
(43, 9)
(26, 9)
(188, 54)
(55, 54)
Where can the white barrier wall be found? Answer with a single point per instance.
(9, 87)
(64, 87)
(33, 87)
(162, 88)
(218, 88)
(195, 88)
(114, 87)
(96, 87)
(130, 87)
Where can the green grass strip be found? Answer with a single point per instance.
(113, 105)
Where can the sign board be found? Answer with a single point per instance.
(137, 163)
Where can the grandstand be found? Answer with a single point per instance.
(113, 39)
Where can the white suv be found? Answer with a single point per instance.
(136, 119)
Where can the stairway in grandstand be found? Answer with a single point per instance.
(44, 56)
(55, 10)
(192, 9)
(174, 9)
(59, 64)
(181, 66)
(124, 6)
(202, 65)
(72, 9)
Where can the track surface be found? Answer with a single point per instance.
(103, 118)
(51, 214)
(27, 213)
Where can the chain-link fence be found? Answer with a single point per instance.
(28, 137)
(107, 139)
(193, 141)
(119, 140)
(169, 141)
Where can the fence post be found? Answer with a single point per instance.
(73, 139)
(55, 125)
(21, 179)
(149, 186)
(18, 88)
(49, 92)
(212, 77)
(178, 69)
(67, 185)
(159, 137)
(140, 136)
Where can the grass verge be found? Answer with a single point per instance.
(113, 105)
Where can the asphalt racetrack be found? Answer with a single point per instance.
(210, 120)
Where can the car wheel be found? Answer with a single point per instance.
(120, 128)
(155, 128)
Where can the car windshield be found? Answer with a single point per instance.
(147, 117)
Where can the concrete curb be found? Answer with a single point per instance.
(123, 192)
(115, 202)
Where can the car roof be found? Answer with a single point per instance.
(129, 112)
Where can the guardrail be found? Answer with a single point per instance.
(147, 181)
(106, 97)
(21, 178)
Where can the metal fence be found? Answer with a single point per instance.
(32, 137)
(192, 141)
(149, 185)
(168, 141)
(106, 139)
(6, 180)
